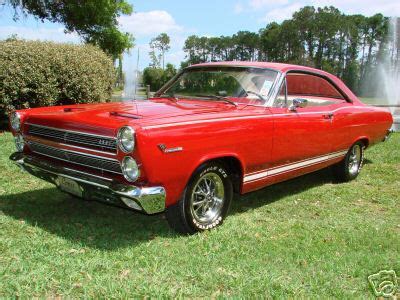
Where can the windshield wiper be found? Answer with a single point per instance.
(261, 97)
(169, 96)
(218, 98)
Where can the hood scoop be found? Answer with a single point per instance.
(124, 115)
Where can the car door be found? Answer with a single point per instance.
(303, 136)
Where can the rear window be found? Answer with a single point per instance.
(311, 85)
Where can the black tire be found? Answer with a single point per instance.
(185, 216)
(349, 168)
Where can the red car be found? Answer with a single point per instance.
(214, 130)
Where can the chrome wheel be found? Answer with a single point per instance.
(355, 159)
(207, 199)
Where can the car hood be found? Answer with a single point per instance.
(164, 108)
(93, 117)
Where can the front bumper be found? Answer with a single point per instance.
(150, 200)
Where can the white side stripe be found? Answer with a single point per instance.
(293, 166)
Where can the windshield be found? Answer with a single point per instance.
(237, 84)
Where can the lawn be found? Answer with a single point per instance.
(308, 237)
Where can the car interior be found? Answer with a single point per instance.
(315, 89)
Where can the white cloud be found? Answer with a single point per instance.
(149, 23)
(279, 10)
(39, 33)
(257, 4)
(280, 14)
(238, 8)
(176, 57)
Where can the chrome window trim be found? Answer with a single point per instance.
(276, 88)
(330, 81)
(271, 94)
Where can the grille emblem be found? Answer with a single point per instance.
(105, 143)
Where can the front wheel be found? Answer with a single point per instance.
(349, 168)
(205, 201)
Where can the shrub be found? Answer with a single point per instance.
(34, 74)
(153, 77)
(157, 77)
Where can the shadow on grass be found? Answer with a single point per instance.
(96, 225)
(278, 191)
(367, 161)
(86, 223)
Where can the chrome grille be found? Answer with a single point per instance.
(95, 162)
(75, 138)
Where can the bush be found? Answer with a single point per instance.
(34, 74)
(157, 77)
(153, 77)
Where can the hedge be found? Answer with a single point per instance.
(34, 74)
(157, 77)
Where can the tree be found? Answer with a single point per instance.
(169, 72)
(349, 46)
(246, 43)
(94, 20)
(269, 40)
(155, 60)
(161, 43)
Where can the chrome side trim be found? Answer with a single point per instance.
(72, 131)
(251, 177)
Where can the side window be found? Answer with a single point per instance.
(317, 90)
(280, 100)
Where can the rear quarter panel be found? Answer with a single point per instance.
(370, 123)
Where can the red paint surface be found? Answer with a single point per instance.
(258, 137)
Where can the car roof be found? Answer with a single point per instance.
(268, 65)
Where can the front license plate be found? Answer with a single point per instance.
(69, 186)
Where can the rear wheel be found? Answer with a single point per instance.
(205, 201)
(349, 168)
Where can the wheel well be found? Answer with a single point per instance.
(365, 141)
(235, 169)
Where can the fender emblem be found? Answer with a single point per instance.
(164, 149)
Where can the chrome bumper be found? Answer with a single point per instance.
(388, 133)
(150, 200)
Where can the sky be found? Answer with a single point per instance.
(182, 18)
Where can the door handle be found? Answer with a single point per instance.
(328, 116)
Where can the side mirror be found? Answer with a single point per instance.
(298, 103)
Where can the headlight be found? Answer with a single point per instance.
(126, 139)
(130, 169)
(19, 142)
(15, 121)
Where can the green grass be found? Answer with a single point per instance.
(308, 237)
